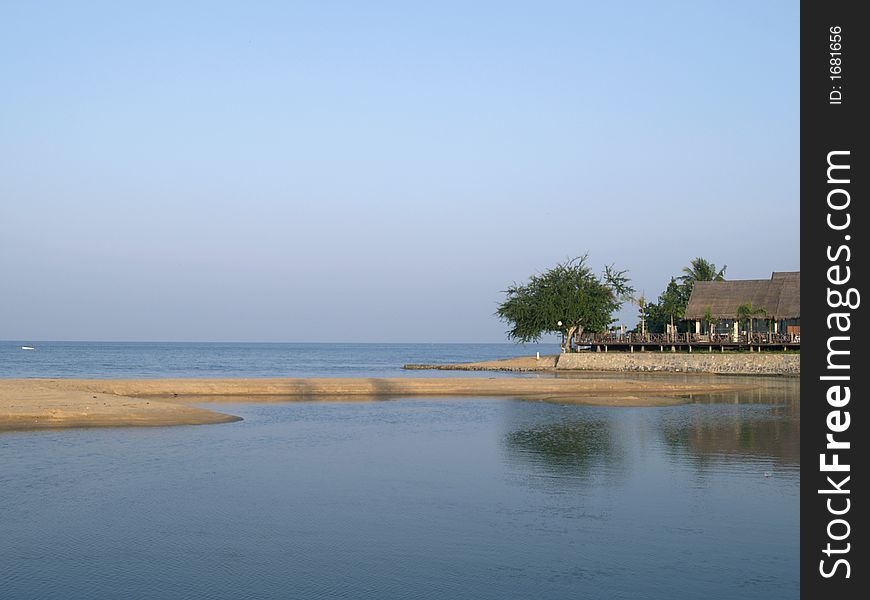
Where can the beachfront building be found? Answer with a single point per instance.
(714, 307)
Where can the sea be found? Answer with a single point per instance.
(428, 498)
(159, 359)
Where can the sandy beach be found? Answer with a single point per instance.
(57, 403)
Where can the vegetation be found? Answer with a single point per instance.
(668, 308)
(708, 318)
(641, 313)
(569, 299)
(701, 269)
(672, 303)
(747, 312)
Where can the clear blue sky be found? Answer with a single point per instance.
(378, 171)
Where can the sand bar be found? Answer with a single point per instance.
(56, 403)
(517, 364)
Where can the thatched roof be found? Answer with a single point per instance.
(780, 296)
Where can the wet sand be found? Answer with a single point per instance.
(57, 403)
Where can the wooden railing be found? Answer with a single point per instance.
(688, 338)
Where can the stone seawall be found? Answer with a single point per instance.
(739, 364)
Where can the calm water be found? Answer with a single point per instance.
(414, 498)
(101, 359)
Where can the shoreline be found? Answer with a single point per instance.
(27, 404)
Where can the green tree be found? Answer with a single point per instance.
(747, 312)
(673, 302)
(642, 313)
(656, 319)
(568, 299)
(708, 317)
(701, 269)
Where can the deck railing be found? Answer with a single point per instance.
(756, 338)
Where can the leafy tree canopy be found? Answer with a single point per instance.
(673, 301)
(569, 298)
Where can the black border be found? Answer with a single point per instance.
(827, 127)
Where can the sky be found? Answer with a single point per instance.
(379, 171)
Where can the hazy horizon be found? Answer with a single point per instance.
(335, 172)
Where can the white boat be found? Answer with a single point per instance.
(28, 348)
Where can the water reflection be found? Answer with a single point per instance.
(761, 423)
(709, 488)
(713, 433)
(572, 448)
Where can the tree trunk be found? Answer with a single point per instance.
(571, 331)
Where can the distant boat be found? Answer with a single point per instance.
(28, 348)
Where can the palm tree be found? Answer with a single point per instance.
(747, 312)
(708, 317)
(641, 303)
(701, 269)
